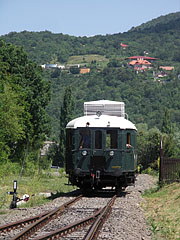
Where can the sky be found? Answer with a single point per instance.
(80, 17)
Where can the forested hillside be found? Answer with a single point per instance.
(110, 76)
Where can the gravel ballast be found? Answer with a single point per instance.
(126, 221)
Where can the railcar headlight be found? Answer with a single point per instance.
(111, 153)
(84, 153)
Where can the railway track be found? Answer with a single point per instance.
(35, 222)
(35, 230)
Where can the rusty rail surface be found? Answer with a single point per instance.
(20, 223)
(93, 231)
(98, 218)
(28, 231)
(71, 227)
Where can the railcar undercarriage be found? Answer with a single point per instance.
(99, 180)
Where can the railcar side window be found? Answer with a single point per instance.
(128, 142)
(85, 139)
(98, 139)
(69, 139)
(111, 139)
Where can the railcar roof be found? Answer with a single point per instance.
(102, 121)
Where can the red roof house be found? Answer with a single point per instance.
(167, 68)
(124, 46)
(141, 58)
(141, 65)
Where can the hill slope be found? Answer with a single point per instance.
(145, 99)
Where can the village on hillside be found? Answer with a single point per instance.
(137, 63)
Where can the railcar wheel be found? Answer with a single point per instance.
(118, 190)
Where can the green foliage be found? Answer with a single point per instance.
(23, 99)
(8, 169)
(66, 115)
(161, 207)
(167, 125)
(148, 145)
(53, 154)
(74, 70)
(48, 181)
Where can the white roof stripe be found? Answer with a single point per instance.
(102, 121)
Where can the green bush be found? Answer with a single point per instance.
(9, 168)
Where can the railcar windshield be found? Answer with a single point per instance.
(111, 139)
(98, 139)
(85, 138)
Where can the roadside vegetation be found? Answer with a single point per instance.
(36, 185)
(162, 209)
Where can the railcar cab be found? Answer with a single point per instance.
(101, 151)
(98, 156)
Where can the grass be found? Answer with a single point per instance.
(48, 182)
(162, 209)
(86, 59)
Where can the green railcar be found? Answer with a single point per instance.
(101, 149)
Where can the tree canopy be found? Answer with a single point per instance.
(24, 96)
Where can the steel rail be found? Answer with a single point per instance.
(93, 231)
(28, 231)
(97, 218)
(20, 223)
(14, 225)
(71, 227)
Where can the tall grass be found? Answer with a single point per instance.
(32, 183)
(162, 208)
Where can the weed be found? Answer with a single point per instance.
(162, 211)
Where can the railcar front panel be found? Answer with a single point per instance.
(101, 156)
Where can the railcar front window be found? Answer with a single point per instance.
(85, 139)
(98, 139)
(111, 139)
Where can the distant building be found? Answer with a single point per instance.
(43, 66)
(167, 68)
(124, 46)
(141, 58)
(140, 65)
(45, 148)
(84, 70)
(52, 66)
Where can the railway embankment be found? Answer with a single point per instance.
(162, 211)
(143, 211)
(127, 220)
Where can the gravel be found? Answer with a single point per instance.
(126, 221)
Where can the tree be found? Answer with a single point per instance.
(66, 115)
(24, 95)
(167, 125)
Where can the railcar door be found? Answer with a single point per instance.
(98, 160)
(84, 149)
(113, 158)
(129, 153)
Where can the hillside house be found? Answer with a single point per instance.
(140, 65)
(123, 46)
(150, 59)
(163, 72)
(52, 66)
(84, 70)
(167, 68)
